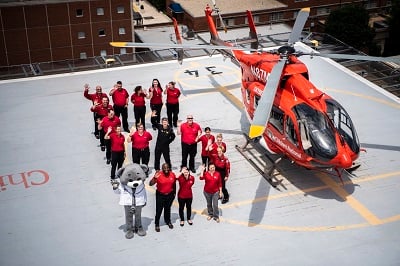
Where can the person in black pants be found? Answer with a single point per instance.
(120, 98)
(165, 136)
(165, 193)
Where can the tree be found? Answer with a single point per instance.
(392, 44)
(350, 25)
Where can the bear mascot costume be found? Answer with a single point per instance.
(132, 196)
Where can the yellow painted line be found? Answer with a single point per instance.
(355, 204)
(389, 103)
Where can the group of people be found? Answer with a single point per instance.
(110, 120)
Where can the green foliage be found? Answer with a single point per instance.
(392, 44)
(350, 25)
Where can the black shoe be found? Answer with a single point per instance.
(224, 201)
(154, 128)
(175, 125)
(193, 171)
(108, 161)
(157, 228)
(103, 148)
(126, 130)
(170, 226)
(97, 136)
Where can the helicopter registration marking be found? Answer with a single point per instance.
(261, 74)
(283, 145)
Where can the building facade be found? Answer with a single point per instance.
(44, 31)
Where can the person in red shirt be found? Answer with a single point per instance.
(166, 187)
(140, 145)
(156, 102)
(120, 97)
(206, 140)
(96, 98)
(218, 143)
(223, 167)
(173, 94)
(109, 121)
(185, 195)
(212, 190)
(117, 141)
(101, 111)
(139, 105)
(190, 132)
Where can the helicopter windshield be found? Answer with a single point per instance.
(316, 133)
(342, 122)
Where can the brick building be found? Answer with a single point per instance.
(43, 31)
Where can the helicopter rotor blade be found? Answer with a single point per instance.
(262, 113)
(178, 46)
(299, 25)
(394, 59)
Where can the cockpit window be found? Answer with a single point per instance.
(317, 134)
(342, 122)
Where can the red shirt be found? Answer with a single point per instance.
(141, 141)
(165, 184)
(190, 132)
(173, 95)
(215, 146)
(138, 99)
(157, 95)
(117, 142)
(222, 163)
(94, 97)
(107, 122)
(185, 187)
(100, 110)
(119, 97)
(204, 142)
(212, 182)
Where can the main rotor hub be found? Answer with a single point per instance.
(286, 50)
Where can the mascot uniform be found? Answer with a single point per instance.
(132, 196)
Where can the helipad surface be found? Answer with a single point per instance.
(57, 206)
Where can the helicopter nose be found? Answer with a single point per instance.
(345, 161)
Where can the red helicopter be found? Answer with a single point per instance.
(288, 114)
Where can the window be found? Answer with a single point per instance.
(79, 12)
(103, 53)
(122, 51)
(83, 55)
(100, 11)
(276, 118)
(120, 9)
(323, 11)
(229, 22)
(81, 35)
(256, 19)
(121, 31)
(276, 16)
(291, 131)
(102, 33)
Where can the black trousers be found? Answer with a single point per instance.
(182, 203)
(163, 202)
(117, 159)
(140, 113)
(191, 151)
(96, 129)
(172, 114)
(108, 149)
(141, 156)
(222, 172)
(122, 111)
(157, 156)
(155, 120)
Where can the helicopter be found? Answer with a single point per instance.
(288, 115)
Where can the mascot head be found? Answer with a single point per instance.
(133, 175)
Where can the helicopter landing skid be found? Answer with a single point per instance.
(253, 153)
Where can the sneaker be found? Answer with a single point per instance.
(129, 234)
(140, 231)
